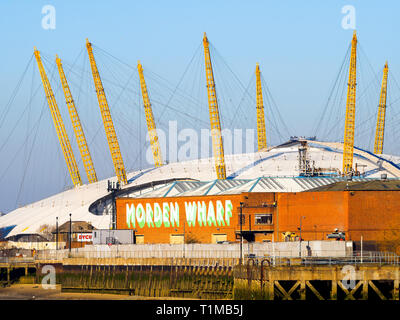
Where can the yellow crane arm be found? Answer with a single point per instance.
(261, 134)
(59, 124)
(380, 121)
(218, 148)
(107, 121)
(350, 110)
(76, 123)
(151, 126)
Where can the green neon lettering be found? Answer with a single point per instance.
(211, 214)
(190, 209)
(149, 215)
(157, 215)
(140, 215)
(220, 213)
(166, 215)
(228, 211)
(130, 216)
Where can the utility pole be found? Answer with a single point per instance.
(184, 239)
(56, 233)
(241, 235)
(302, 217)
(70, 231)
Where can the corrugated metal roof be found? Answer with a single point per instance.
(361, 185)
(262, 184)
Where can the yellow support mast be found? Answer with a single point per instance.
(107, 121)
(350, 111)
(151, 126)
(218, 148)
(261, 134)
(59, 124)
(380, 122)
(76, 123)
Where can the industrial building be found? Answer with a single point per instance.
(365, 209)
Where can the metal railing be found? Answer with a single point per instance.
(16, 260)
(356, 258)
(182, 253)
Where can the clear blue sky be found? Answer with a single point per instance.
(299, 44)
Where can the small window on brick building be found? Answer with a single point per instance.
(263, 218)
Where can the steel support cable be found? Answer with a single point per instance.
(363, 102)
(216, 53)
(271, 121)
(19, 150)
(274, 106)
(14, 93)
(180, 81)
(243, 98)
(156, 102)
(217, 57)
(19, 119)
(273, 114)
(166, 105)
(319, 122)
(266, 88)
(30, 109)
(377, 82)
(228, 96)
(134, 68)
(336, 111)
(29, 157)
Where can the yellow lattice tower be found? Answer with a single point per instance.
(261, 134)
(76, 124)
(350, 110)
(107, 121)
(218, 148)
(151, 125)
(59, 124)
(380, 121)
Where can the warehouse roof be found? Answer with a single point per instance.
(372, 185)
(238, 186)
